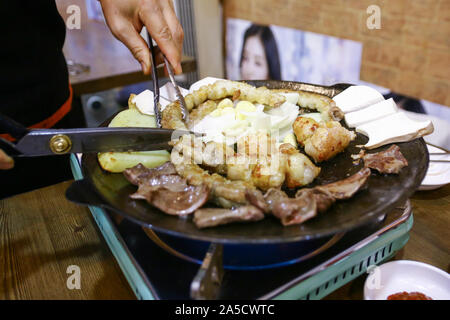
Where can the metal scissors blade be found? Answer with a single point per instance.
(41, 142)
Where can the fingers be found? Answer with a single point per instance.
(174, 24)
(5, 161)
(126, 33)
(126, 19)
(119, 18)
(153, 14)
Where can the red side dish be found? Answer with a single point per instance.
(408, 296)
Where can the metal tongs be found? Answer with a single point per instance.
(180, 97)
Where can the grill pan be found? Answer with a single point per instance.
(382, 194)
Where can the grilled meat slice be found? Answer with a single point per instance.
(307, 202)
(323, 199)
(211, 217)
(345, 188)
(166, 190)
(388, 161)
(133, 175)
(265, 202)
(171, 182)
(290, 210)
(295, 210)
(180, 203)
(256, 198)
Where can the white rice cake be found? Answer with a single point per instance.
(374, 112)
(396, 127)
(357, 97)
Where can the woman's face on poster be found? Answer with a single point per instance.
(254, 62)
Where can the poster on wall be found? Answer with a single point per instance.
(257, 52)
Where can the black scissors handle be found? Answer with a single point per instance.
(16, 130)
(9, 148)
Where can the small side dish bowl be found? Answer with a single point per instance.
(407, 276)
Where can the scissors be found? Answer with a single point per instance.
(42, 142)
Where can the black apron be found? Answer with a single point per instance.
(34, 84)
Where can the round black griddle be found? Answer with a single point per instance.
(382, 194)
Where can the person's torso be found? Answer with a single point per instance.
(33, 72)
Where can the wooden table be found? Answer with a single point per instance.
(42, 234)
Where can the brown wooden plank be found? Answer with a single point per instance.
(91, 82)
(430, 236)
(41, 234)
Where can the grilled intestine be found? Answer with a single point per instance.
(246, 177)
(322, 140)
(314, 101)
(172, 116)
(258, 163)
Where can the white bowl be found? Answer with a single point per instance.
(438, 173)
(410, 276)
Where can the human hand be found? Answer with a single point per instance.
(127, 18)
(5, 161)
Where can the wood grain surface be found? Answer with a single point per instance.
(41, 234)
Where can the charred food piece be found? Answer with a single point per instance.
(346, 188)
(163, 188)
(308, 202)
(133, 175)
(388, 161)
(323, 199)
(289, 210)
(180, 203)
(297, 210)
(211, 217)
(265, 202)
(171, 182)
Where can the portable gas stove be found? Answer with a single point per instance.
(156, 270)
